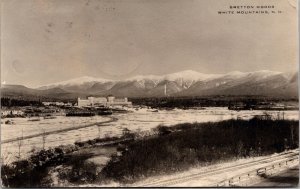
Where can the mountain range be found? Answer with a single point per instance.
(185, 83)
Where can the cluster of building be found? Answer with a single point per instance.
(12, 112)
(103, 101)
(261, 106)
(109, 101)
(30, 111)
(57, 104)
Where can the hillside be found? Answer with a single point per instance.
(186, 83)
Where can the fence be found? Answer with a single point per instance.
(261, 172)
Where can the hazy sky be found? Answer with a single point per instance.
(46, 41)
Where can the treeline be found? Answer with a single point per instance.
(186, 102)
(34, 171)
(9, 102)
(185, 145)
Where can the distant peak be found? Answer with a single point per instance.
(142, 77)
(188, 72)
(89, 78)
(77, 81)
(259, 72)
(267, 72)
(235, 73)
(187, 75)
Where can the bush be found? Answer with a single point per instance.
(163, 130)
(81, 171)
(31, 172)
(201, 143)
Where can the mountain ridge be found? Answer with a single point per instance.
(185, 83)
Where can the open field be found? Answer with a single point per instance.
(166, 150)
(142, 120)
(24, 127)
(46, 133)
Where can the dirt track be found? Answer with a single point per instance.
(217, 175)
(287, 178)
(112, 119)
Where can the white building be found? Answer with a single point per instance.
(11, 112)
(103, 101)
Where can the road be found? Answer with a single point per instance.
(102, 123)
(287, 178)
(214, 176)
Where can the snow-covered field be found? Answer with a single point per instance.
(139, 120)
(25, 127)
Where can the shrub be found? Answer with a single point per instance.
(201, 143)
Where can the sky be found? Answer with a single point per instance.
(47, 41)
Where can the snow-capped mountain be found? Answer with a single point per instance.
(263, 82)
(186, 75)
(186, 83)
(183, 79)
(75, 82)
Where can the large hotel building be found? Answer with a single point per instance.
(103, 101)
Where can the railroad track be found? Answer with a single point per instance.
(112, 119)
(174, 181)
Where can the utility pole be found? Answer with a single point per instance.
(99, 132)
(292, 135)
(20, 142)
(44, 139)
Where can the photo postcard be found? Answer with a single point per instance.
(149, 93)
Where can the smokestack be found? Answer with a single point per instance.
(165, 89)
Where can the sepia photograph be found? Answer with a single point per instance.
(149, 93)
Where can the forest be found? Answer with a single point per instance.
(209, 101)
